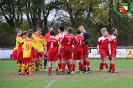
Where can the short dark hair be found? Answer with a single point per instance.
(61, 28)
(29, 34)
(69, 29)
(39, 29)
(113, 29)
(30, 30)
(78, 31)
(52, 32)
(25, 32)
(18, 29)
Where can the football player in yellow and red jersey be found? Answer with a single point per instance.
(17, 51)
(40, 43)
(27, 52)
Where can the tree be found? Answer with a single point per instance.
(11, 10)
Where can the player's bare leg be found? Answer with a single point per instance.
(49, 68)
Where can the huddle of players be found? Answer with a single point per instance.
(106, 46)
(64, 49)
(31, 47)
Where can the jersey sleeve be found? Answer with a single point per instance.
(19, 40)
(33, 45)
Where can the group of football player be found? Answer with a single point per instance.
(64, 49)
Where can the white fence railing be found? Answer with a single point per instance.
(122, 52)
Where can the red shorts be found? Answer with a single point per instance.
(28, 60)
(78, 54)
(52, 56)
(67, 54)
(14, 54)
(85, 52)
(36, 54)
(103, 53)
(113, 53)
(60, 54)
(19, 55)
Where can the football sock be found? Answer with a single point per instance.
(40, 67)
(84, 63)
(19, 67)
(56, 70)
(88, 65)
(63, 67)
(49, 70)
(69, 66)
(30, 68)
(59, 65)
(106, 65)
(23, 68)
(32, 64)
(101, 66)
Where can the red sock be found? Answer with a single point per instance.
(84, 67)
(88, 65)
(81, 66)
(73, 66)
(101, 66)
(110, 68)
(63, 67)
(106, 65)
(69, 67)
(113, 67)
(59, 65)
(56, 69)
(49, 70)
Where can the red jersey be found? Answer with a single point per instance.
(103, 43)
(47, 35)
(52, 44)
(68, 40)
(80, 44)
(113, 42)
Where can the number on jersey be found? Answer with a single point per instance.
(51, 45)
(27, 47)
(69, 40)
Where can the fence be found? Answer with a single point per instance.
(122, 52)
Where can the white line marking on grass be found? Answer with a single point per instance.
(50, 83)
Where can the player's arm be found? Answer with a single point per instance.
(109, 47)
(98, 45)
(20, 40)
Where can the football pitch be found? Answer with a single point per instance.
(124, 79)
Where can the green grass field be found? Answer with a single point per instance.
(10, 79)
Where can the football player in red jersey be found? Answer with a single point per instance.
(67, 41)
(46, 37)
(78, 51)
(85, 50)
(52, 49)
(60, 50)
(103, 45)
(113, 44)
